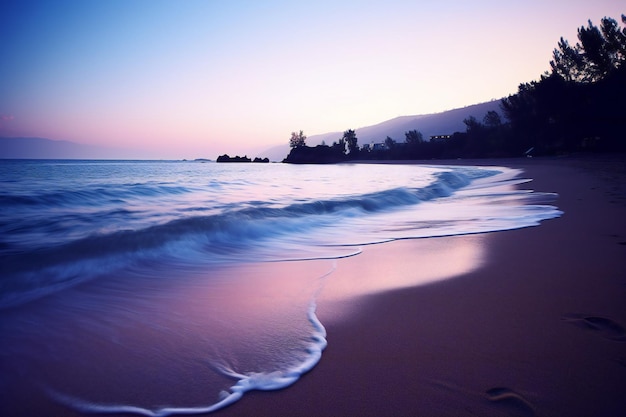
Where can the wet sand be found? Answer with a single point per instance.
(532, 323)
(538, 329)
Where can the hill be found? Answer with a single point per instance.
(446, 122)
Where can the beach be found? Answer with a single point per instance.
(524, 322)
(537, 329)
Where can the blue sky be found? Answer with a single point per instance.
(200, 78)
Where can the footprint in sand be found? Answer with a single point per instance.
(605, 327)
(516, 404)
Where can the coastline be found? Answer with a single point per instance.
(537, 329)
(532, 322)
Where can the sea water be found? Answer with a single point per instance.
(173, 287)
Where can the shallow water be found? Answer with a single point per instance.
(174, 287)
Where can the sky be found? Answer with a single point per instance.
(196, 79)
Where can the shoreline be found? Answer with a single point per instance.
(531, 323)
(538, 329)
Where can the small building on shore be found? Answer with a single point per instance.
(440, 137)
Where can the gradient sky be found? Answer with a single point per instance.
(188, 79)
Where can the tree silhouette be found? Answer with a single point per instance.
(350, 139)
(567, 62)
(577, 106)
(413, 137)
(297, 139)
(598, 52)
(492, 119)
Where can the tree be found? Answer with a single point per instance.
(575, 107)
(492, 119)
(568, 62)
(414, 137)
(349, 138)
(390, 143)
(297, 139)
(599, 52)
(615, 40)
(472, 125)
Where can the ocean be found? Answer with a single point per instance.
(174, 287)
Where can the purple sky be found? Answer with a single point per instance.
(189, 79)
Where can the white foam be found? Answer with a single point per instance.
(248, 381)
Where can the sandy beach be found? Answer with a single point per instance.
(537, 329)
(529, 322)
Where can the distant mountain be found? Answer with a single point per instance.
(40, 148)
(443, 123)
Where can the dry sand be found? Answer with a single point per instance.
(537, 330)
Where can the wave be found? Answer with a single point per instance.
(143, 275)
(245, 382)
(260, 232)
(90, 196)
